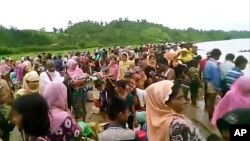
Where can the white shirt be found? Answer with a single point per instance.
(225, 67)
(141, 96)
(44, 78)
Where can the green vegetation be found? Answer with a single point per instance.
(89, 34)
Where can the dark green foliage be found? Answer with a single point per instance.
(91, 34)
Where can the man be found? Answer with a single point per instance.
(236, 72)
(224, 68)
(212, 81)
(227, 65)
(49, 75)
(121, 88)
(117, 111)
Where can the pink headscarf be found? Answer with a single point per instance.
(4, 68)
(234, 99)
(55, 94)
(159, 115)
(74, 73)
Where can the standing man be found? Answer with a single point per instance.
(212, 80)
(236, 72)
(224, 68)
(49, 75)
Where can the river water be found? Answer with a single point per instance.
(227, 46)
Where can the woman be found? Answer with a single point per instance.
(150, 69)
(124, 65)
(28, 66)
(113, 67)
(30, 114)
(62, 125)
(30, 84)
(165, 102)
(5, 70)
(237, 97)
(78, 94)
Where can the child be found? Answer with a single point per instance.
(99, 85)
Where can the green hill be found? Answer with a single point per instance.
(90, 34)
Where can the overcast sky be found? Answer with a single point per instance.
(199, 14)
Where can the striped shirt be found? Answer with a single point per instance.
(232, 76)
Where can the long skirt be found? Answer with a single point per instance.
(78, 102)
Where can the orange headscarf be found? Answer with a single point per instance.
(159, 115)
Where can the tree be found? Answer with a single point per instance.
(70, 24)
(60, 30)
(42, 29)
(55, 30)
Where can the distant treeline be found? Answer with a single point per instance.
(90, 34)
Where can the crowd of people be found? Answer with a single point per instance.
(143, 92)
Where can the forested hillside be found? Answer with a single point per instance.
(89, 34)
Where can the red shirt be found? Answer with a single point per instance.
(202, 64)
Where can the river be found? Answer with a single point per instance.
(227, 46)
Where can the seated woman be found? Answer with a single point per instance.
(62, 124)
(165, 102)
(30, 114)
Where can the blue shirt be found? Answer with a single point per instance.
(232, 76)
(212, 73)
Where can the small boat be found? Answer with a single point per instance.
(244, 50)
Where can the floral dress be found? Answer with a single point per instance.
(68, 131)
(181, 130)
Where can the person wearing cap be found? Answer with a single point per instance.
(212, 80)
(121, 87)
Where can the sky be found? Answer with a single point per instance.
(181, 14)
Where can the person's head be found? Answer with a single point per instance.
(215, 54)
(49, 56)
(184, 52)
(230, 57)
(113, 60)
(144, 56)
(55, 94)
(151, 59)
(180, 71)
(117, 110)
(165, 95)
(124, 57)
(241, 62)
(138, 62)
(31, 81)
(235, 117)
(99, 85)
(176, 98)
(120, 86)
(31, 112)
(50, 65)
(72, 64)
